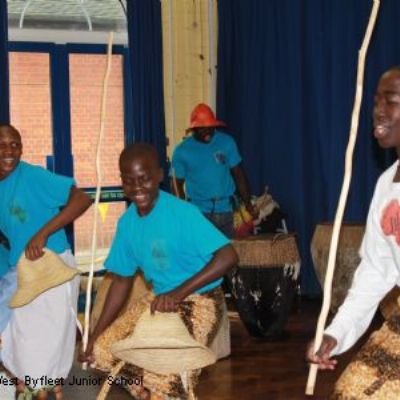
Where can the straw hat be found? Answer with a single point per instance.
(162, 344)
(35, 277)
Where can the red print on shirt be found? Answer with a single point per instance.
(390, 221)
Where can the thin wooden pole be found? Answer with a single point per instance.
(312, 376)
(98, 190)
(107, 385)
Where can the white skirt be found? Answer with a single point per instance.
(39, 340)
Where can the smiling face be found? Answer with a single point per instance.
(141, 176)
(203, 135)
(10, 150)
(386, 112)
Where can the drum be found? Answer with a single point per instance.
(347, 258)
(264, 283)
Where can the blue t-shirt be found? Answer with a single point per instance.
(30, 197)
(4, 266)
(206, 169)
(170, 244)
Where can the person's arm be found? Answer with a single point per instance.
(242, 185)
(177, 174)
(78, 202)
(221, 262)
(369, 286)
(322, 356)
(115, 300)
(177, 187)
(354, 316)
(374, 277)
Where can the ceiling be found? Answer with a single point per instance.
(95, 15)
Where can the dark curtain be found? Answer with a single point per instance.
(145, 49)
(286, 83)
(4, 85)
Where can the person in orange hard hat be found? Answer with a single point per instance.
(206, 170)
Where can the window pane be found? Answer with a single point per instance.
(86, 85)
(30, 104)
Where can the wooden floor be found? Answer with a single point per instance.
(258, 369)
(268, 370)
(273, 370)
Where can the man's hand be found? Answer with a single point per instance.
(167, 302)
(34, 248)
(87, 356)
(322, 356)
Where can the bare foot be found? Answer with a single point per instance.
(145, 395)
(42, 395)
(139, 392)
(20, 388)
(58, 393)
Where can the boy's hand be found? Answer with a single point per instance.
(87, 356)
(34, 248)
(167, 302)
(322, 356)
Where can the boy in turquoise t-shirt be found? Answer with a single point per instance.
(35, 205)
(179, 251)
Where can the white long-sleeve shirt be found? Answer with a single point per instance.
(379, 269)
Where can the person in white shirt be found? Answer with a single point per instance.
(375, 371)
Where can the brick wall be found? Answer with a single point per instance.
(30, 105)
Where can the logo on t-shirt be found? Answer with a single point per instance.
(159, 254)
(18, 212)
(220, 157)
(390, 221)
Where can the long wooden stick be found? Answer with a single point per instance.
(312, 376)
(106, 385)
(98, 190)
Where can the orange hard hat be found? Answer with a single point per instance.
(203, 117)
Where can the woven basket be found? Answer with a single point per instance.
(267, 250)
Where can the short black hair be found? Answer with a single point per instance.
(137, 150)
(394, 68)
(9, 127)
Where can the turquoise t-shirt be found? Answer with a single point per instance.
(30, 197)
(4, 266)
(206, 169)
(170, 245)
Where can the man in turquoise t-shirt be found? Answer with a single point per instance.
(179, 251)
(209, 165)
